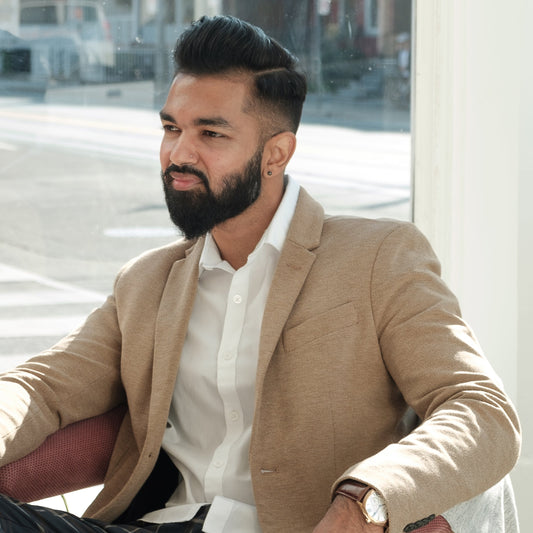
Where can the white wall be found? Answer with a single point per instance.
(524, 472)
(473, 124)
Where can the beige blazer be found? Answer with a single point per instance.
(358, 325)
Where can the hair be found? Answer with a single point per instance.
(227, 45)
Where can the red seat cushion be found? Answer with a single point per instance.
(73, 458)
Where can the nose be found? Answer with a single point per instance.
(183, 151)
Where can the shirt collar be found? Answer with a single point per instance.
(274, 235)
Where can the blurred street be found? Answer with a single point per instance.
(80, 194)
(80, 190)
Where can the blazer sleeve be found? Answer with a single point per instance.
(469, 436)
(77, 378)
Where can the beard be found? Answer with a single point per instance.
(197, 212)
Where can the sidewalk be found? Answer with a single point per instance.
(348, 107)
(76, 501)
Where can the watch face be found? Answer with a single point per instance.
(376, 508)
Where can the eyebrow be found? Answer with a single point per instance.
(166, 117)
(208, 121)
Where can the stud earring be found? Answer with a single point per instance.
(269, 173)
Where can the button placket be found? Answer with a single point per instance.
(226, 382)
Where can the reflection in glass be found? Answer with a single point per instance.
(81, 84)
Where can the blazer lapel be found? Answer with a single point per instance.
(171, 329)
(296, 260)
(294, 264)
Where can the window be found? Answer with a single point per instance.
(80, 187)
(371, 17)
(39, 15)
(80, 190)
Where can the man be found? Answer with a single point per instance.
(269, 361)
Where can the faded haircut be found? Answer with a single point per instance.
(227, 45)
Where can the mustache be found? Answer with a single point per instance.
(185, 169)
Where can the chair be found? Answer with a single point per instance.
(73, 458)
(77, 457)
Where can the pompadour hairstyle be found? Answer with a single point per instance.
(224, 44)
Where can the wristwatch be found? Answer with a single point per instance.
(369, 500)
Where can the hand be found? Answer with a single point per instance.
(345, 516)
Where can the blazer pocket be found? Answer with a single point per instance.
(319, 326)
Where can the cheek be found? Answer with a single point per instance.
(164, 155)
(225, 162)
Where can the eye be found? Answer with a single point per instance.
(171, 128)
(213, 134)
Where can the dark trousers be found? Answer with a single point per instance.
(17, 517)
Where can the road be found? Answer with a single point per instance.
(80, 194)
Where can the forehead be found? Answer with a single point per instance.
(198, 97)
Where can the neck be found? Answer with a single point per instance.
(237, 238)
(235, 246)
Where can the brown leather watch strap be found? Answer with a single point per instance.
(353, 489)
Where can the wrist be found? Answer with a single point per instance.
(368, 499)
(349, 517)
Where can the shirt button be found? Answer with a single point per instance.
(228, 356)
(237, 299)
(219, 464)
(234, 416)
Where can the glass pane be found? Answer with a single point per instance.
(80, 91)
(39, 15)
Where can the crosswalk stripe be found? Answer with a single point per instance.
(12, 274)
(39, 327)
(44, 297)
(36, 311)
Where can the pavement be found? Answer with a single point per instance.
(35, 309)
(35, 291)
(73, 502)
(350, 106)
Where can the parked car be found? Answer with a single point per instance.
(74, 34)
(24, 70)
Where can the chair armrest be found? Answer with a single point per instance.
(437, 525)
(73, 458)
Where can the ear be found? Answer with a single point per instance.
(278, 152)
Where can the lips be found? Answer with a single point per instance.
(183, 182)
(184, 177)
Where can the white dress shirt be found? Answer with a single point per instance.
(210, 420)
